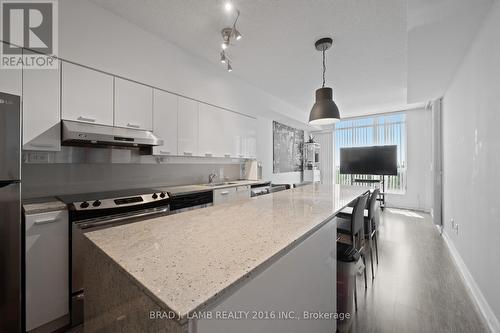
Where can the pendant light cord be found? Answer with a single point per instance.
(324, 67)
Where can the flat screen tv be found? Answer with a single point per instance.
(375, 160)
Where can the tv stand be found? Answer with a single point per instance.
(381, 181)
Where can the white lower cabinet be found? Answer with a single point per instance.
(230, 194)
(224, 195)
(302, 281)
(41, 109)
(243, 192)
(47, 275)
(165, 107)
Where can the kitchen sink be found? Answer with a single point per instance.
(220, 184)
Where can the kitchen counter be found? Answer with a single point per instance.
(52, 204)
(43, 205)
(186, 262)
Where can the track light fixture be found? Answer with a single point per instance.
(228, 34)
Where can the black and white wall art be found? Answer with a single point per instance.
(288, 143)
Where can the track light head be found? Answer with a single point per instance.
(226, 36)
(223, 58)
(237, 34)
(229, 68)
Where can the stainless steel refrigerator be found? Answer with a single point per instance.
(11, 254)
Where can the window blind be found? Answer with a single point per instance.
(373, 131)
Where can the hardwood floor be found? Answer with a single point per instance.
(417, 287)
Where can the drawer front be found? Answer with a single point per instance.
(243, 192)
(47, 287)
(224, 195)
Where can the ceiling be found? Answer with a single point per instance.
(440, 33)
(368, 66)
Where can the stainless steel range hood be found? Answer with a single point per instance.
(77, 133)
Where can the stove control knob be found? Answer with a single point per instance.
(84, 204)
(155, 196)
(162, 195)
(96, 203)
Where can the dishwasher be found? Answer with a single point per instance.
(188, 201)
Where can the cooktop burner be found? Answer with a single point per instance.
(114, 199)
(71, 198)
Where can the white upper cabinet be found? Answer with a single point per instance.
(250, 138)
(187, 134)
(165, 122)
(133, 105)
(41, 109)
(87, 95)
(245, 137)
(216, 126)
(11, 81)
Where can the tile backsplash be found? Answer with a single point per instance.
(40, 180)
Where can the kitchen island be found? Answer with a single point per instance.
(254, 265)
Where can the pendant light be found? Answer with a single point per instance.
(324, 111)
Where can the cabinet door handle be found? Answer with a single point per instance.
(224, 192)
(46, 221)
(188, 153)
(133, 125)
(83, 118)
(208, 154)
(164, 152)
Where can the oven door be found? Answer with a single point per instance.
(78, 231)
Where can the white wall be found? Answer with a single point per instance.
(418, 158)
(471, 148)
(93, 36)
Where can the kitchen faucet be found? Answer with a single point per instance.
(211, 177)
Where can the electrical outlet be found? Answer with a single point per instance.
(38, 157)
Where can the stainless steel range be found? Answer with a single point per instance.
(92, 211)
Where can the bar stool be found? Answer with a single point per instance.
(354, 228)
(370, 223)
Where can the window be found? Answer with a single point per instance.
(371, 131)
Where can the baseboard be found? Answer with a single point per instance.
(484, 308)
(415, 209)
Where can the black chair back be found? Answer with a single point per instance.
(372, 204)
(357, 217)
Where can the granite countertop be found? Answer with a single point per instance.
(43, 205)
(187, 261)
